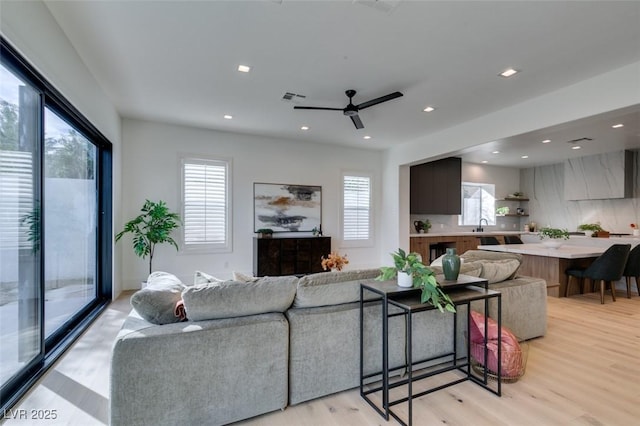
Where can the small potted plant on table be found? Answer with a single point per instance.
(265, 232)
(411, 272)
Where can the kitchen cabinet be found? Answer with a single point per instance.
(289, 256)
(432, 247)
(435, 187)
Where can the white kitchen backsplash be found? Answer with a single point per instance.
(544, 186)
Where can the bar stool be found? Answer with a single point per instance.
(489, 241)
(632, 269)
(512, 239)
(608, 267)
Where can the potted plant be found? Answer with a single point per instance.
(265, 232)
(421, 226)
(153, 226)
(417, 275)
(589, 228)
(550, 236)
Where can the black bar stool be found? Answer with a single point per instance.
(489, 241)
(512, 239)
(608, 267)
(632, 269)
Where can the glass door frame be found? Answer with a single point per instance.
(55, 344)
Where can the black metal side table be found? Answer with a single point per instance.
(399, 301)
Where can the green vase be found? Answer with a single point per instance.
(451, 265)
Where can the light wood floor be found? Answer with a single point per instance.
(586, 371)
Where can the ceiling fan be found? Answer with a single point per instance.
(352, 110)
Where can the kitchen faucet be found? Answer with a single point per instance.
(480, 228)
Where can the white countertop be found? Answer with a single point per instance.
(465, 234)
(565, 251)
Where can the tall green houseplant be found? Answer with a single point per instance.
(153, 226)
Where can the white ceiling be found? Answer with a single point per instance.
(176, 61)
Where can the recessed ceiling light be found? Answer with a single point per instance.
(496, 152)
(244, 68)
(617, 126)
(484, 161)
(228, 117)
(304, 128)
(576, 147)
(429, 109)
(366, 137)
(508, 72)
(546, 141)
(525, 156)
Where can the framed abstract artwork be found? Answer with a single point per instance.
(287, 208)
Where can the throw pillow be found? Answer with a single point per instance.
(473, 269)
(156, 302)
(204, 278)
(499, 270)
(244, 278)
(512, 362)
(233, 299)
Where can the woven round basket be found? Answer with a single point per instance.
(516, 359)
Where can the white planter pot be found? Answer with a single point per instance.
(636, 232)
(588, 233)
(552, 244)
(404, 279)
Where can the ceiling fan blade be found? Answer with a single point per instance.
(357, 122)
(379, 100)
(328, 109)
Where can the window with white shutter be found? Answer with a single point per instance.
(206, 204)
(356, 210)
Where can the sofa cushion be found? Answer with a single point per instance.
(236, 299)
(331, 288)
(157, 301)
(203, 278)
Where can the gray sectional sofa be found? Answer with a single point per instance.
(258, 347)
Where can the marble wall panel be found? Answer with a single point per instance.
(545, 187)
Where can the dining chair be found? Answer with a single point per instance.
(489, 241)
(607, 268)
(512, 239)
(632, 270)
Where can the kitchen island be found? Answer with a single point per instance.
(551, 264)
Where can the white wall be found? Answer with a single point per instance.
(151, 170)
(30, 28)
(612, 90)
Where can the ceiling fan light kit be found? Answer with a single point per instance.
(352, 110)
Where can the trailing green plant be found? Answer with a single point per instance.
(422, 277)
(266, 231)
(153, 226)
(590, 227)
(553, 233)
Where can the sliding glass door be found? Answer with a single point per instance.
(55, 224)
(70, 221)
(20, 243)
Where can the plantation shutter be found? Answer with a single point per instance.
(356, 223)
(205, 203)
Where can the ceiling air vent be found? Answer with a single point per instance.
(293, 97)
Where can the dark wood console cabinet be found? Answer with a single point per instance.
(289, 256)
